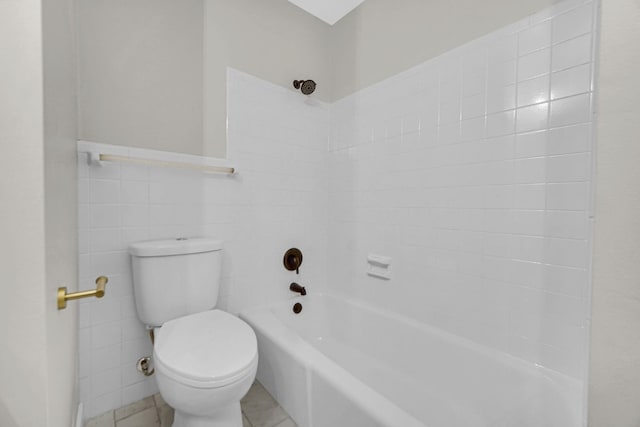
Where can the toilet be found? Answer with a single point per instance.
(205, 359)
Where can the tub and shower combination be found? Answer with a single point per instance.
(493, 193)
(343, 363)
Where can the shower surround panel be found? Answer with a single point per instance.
(472, 171)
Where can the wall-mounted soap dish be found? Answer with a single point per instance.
(379, 266)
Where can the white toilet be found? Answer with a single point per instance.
(205, 359)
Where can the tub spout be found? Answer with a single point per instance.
(294, 287)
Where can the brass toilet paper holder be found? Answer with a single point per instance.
(98, 292)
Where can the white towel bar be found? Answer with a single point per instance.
(97, 158)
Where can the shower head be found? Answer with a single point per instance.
(307, 87)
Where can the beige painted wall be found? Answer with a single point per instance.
(384, 37)
(141, 62)
(60, 207)
(143, 69)
(23, 368)
(270, 39)
(37, 214)
(140, 73)
(615, 332)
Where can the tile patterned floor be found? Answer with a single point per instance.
(259, 409)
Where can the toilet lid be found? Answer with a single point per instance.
(212, 348)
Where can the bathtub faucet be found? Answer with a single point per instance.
(294, 287)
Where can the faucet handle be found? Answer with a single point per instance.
(292, 260)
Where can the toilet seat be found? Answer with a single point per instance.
(206, 350)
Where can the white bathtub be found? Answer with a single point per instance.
(340, 363)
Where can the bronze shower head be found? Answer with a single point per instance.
(307, 87)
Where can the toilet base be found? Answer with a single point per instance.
(228, 416)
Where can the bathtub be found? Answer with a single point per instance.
(342, 363)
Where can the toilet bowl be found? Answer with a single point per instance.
(205, 363)
(205, 359)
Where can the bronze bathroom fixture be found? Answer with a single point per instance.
(292, 259)
(297, 308)
(307, 87)
(294, 287)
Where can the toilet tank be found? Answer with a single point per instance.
(174, 278)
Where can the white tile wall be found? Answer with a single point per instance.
(119, 205)
(483, 200)
(472, 171)
(278, 143)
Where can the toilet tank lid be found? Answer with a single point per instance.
(179, 246)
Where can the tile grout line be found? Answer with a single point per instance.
(155, 405)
